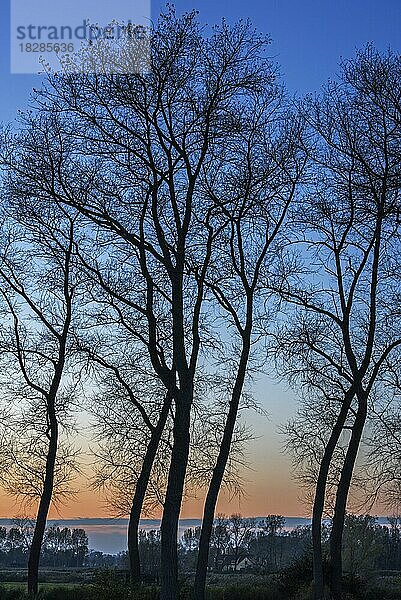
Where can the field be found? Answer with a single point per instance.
(110, 585)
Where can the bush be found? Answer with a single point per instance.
(108, 585)
(296, 577)
(243, 592)
(146, 593)
(385, 590)
(354, 587)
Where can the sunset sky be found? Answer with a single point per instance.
(309, 37)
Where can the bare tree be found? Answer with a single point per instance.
(241, 531)
(344, 283)
(268, 159)
(219, 540)
(380, 471)
(38, 291)
(123, 446)
(133, 448)
(138, 155)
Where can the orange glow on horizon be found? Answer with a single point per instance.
(261, 499)
(278, 494)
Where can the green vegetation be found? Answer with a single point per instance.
(291, 584)
(270, 564)
(167, 233)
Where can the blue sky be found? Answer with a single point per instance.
(309, 36)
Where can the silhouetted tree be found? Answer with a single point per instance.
(268, 158)
(345, 281)
(38, 290)
(219, 541)
(142, 158)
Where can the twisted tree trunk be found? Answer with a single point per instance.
(318, 505)
(140, 491)
(341, 500)
(44, 505)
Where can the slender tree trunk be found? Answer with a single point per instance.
(52, 433)
(174, 493)
(341, 500)
(47, 493)
(320, 492)
(43, 510)
(218, 472)
(140, 491)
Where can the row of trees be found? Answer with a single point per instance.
(142, 225)
(255, 546)
(61, 546)
(166, 230)
(237, 544)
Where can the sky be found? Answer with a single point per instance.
(309, 37)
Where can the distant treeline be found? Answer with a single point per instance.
(264, 546)
(237, 545)
(62, 546)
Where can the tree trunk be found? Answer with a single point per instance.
(43, 510)
(218, 473)
(48, 484)
(140, 491)
(174, 493)
(341, 500)
(318, 504)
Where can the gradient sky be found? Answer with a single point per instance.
(309, 37)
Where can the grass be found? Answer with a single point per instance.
(49, 592)
(108, 586)
(13, 585)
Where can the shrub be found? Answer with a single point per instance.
(243, 592)
(11, 593)
(146, 593)
(296, 577)
(354, 587)
(108, 585)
